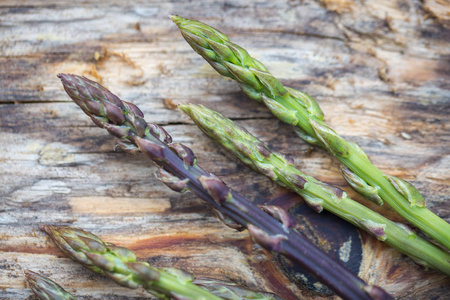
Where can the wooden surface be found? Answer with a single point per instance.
(379, 69)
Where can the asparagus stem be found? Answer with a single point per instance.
(120, 265)
(301, 110)
(317, 194)
(46, 289)
(180, 172)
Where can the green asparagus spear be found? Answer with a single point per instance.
(46, 289)
(70, 239)
(120, 265)
(317, 194)
(180, 172)
(301, 110)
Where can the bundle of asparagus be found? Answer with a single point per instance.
(180, 172)
(46, 289)
(119, 264)
(301, 110)
(317, 194)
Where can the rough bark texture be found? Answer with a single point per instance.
(379, 69)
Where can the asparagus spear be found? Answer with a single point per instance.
(120, 265)
(301, 110)
(46, 289)
(180, 172)
(317, 194)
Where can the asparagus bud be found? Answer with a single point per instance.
(153, 141)
(46, 289)
(298, 109)
(120, 265)
(317, 194)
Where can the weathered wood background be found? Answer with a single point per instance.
(379, 69)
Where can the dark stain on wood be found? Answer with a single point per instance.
(334, 235)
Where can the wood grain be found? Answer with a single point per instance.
(379, 69)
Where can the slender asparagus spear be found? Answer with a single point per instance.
(46, 289)
(180, 172)
(301, 110)
(317, 194)
(120, 265)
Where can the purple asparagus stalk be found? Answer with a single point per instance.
(180, 172)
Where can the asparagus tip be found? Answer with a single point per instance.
(45, 288)
(32, 277)
(63, 76)
(177, 19)
(29, 275)
(193, 109)
(186, 108)
(46, 228)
